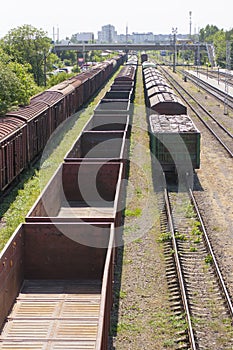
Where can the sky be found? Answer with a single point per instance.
(72, 16)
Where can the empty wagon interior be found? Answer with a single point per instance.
(51, 285)
(80, 190)
(108, 122)
(98, 144)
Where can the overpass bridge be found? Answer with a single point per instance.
(174, 47)
(128, 47)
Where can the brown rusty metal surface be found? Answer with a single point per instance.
(62, 314)
(75, 82)
(127, 73)
(123, 87)
(113, 107)
(158, 89)
(9, 125)
(11, 272)
(54, 314)
(76, 201)
(118, 95)
(105, 176)
(65, 250)
(76, 209)
(64, 87)
(98, 145)
(154, 81)
(50, 97)
(167, 103)
(108, 122)
(29, 112)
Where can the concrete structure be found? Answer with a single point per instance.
(139, 38)
(107, 34)
(85, 37)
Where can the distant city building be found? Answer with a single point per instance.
(139, 38)
(65, 41)
(107, 34)
(123, 38)
(85, 37)
(143, 38)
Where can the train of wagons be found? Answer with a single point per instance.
(174, 138)
(56, 271)
(25, 132)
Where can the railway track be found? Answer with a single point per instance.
(218, 75)
(198, 294)
(217, 129)
(220, 95)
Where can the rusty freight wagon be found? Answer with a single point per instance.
(118, 95)
(108, 122)
(13, 149)
(56, 286)
(167, 103)
(81, 191)
(99, 145)
(112, 107)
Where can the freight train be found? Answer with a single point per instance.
(174, 139)
(56, 272)
(25, 132)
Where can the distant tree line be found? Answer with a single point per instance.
(219, 38)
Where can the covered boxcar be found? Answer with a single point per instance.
(13, 149)
(144, 57)
(37, 118)
(167, 103)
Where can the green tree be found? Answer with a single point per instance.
(219, 41)
(70, 57)
(16, 83)
(27, 44)
(9, 85)
(229, 38)
(16, 86)
(28, 86)
(206, 34)
(58, 78)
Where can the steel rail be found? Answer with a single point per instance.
(220, 95)
(179, 271)
(200, 105)
(210, 249)
(199, 116)
(221, 76)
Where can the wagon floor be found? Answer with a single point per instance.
(81, 210)
(53, 314)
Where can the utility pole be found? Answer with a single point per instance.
(45, 69)
(174, 32)
(228, 64)
(127, 39)
(190, 24)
